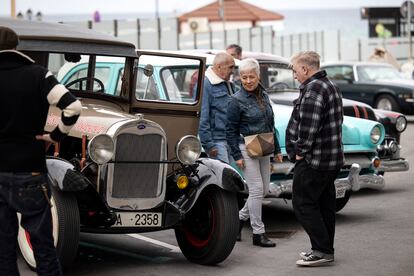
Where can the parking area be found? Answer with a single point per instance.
(374, 236)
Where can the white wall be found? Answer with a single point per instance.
(232, 25)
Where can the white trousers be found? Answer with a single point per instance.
(257, 176)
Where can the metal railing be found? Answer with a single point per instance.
(164, 34)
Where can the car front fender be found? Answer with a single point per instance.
(214, 173)
(64, 176)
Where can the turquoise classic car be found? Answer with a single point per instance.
(158, 81)
(360, 138)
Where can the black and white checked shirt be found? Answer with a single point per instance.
(315, 126)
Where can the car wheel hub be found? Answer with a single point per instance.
(384, 104)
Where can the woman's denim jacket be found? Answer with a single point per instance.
(245, 117)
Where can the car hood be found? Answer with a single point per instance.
(355, 131)
(286, 98)
(94, 119)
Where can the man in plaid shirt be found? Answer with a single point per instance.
(314, 143)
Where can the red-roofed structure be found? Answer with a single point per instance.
(237, 14)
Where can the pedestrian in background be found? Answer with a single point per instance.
(26, 92)
(216, 95)
(314, 143)
(250, 114)
(235, 51)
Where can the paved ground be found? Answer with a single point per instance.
(375, 236)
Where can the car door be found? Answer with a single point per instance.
(163, 93)
(343, 76)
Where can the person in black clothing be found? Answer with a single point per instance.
(314, 142)
(26, 92)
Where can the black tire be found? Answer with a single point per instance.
(389, 101)
(241, 199)
(67, 230)
(208, 233)
(341, 202)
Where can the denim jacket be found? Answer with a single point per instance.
(216, 96)
(245, 117)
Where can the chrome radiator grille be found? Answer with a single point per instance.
(136, 180)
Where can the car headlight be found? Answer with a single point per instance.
(401, 124)
(188, 149)
(375, 134)
(101, 148)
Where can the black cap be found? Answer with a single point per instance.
(8, 39)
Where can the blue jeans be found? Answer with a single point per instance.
(223, 151)
(26, 194)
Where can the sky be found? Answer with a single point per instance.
(171, 6)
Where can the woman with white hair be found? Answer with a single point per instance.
(252, 139)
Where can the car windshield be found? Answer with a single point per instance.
(89, 74)
(171, 79)
(277, 77)
(375, 72)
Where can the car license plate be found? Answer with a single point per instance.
(140, 219)
(340, 192)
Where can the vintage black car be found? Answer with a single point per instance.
(378, 84)
(130, 164)
(277, 78)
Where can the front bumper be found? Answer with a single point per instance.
(354, 182)
(398, 165)
(389, 153)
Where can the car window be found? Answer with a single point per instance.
(146, 88)
(167, 79)
(77, 74)
(340, 73)
(176, 81)
(119, 81)
(101, 73)
(275, 76)
(374, 72)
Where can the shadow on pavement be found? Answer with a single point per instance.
(372, 192)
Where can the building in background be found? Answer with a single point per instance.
(232, 14)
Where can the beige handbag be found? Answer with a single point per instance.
(259, 145)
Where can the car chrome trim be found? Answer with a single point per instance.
(131, 127)
(283, 188)
(376, 182)
(363, 160)
(400, 165)
(285, 167)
